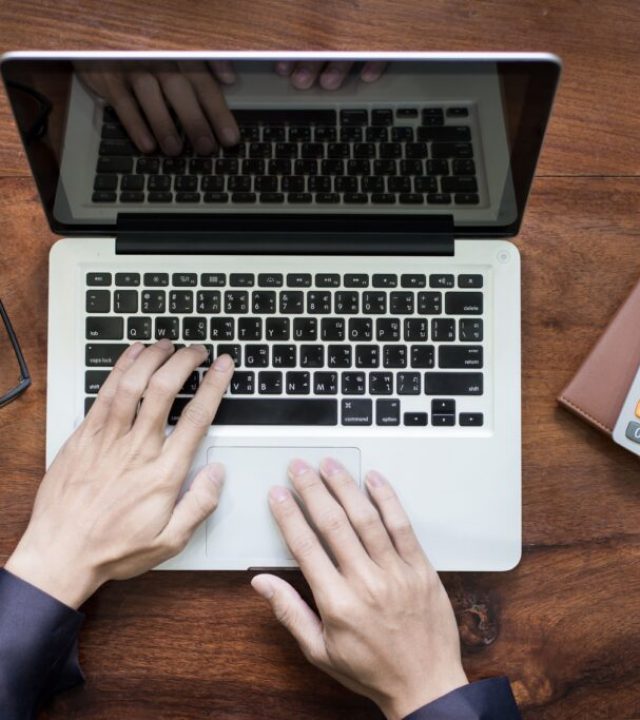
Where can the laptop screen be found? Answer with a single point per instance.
(260, 138)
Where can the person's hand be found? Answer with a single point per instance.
(106, 509)
(386, 627)
(144, 94)
(329, 75)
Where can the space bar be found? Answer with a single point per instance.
(268, 411)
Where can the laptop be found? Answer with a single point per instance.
(347, 246)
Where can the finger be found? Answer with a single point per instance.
(182, 98)
(194, 507)
(328, 516)
(162, 386)
(284, 68)
(131, 387)
(334, 74)
(363, 516)
(198, 414)
(223, 71)
(305, 74)
(395, 519)
(149, 96)
(128, 112)
(293, 612)
(372, 71)
(303, 543)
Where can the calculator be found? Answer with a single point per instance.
(627, 429)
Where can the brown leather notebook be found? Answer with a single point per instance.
(598, 390)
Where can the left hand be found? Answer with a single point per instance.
(329, 75)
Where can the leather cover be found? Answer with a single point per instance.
(599, 388)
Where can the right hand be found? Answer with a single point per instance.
(386, 628)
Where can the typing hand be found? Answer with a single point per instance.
(386, 627)
(106, 508)
(330, 75)
(143, 96)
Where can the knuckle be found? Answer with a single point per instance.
(336, 608)
(130, 387)
(367, 520)
(303, 546)
(332, 521)
(196, 414)
(161, 384)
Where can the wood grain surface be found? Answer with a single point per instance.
(565, 624)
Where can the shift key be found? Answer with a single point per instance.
(454, 383)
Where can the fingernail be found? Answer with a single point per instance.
(375, 479)
(302, 77)
(229, 135)
(263, 587)
(171, 145)
(279, 494)
(283, 68)
(331, 466)
(216, 473)
(204, 145)
(223, 363)
(298, 467)
(135, 350)
(330, 79)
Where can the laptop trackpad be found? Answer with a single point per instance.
(242, 532)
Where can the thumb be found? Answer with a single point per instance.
(294, 613)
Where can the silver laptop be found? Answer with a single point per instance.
(347, 246)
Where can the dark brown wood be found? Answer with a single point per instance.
(564, 625)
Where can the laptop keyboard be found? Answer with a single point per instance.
(351, 157)
(331, 349)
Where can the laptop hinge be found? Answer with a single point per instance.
(336, 235)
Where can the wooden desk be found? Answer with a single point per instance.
(564, 625)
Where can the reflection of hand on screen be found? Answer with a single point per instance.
(329, 75)
(144, 96)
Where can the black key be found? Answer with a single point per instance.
(377, 134)
(355, 280)
(346, 185)
(243, 197)
(380, 383)
(364, 151)
(93, 380)
(452, 383)
(264, 411)
(422, 356)
(184, 279)
(113, 131)
(463, 303)
(242, 383)
(300, 134)
(104, 328)
(457, 112)
(233, 350)
(388, 329)
(263, 301)
(103, 354)
(441, 281)
(271, 197)
(277, 328)
(98, 301)
(373, 184)
(208, 302)
(273, 134)
(441, 406)
(470, 330)
(305, 328)
(332, 329)
(432, 112)
(156, 279)
(399, 184)
(425, 185)
(407, 112)
(194, 329)
(160, 197)
(291, 302)
(355, 198)
(181, 301)
(394, 356)
(299, 279)
(188, 197)
(384, 167)
(200, 166)
(415, 329)
(383, 198)
(254, 167)
(353, 383)
(325, 134)
(270, 280)
(429, 303)
(411, 198)
(249, 328)
(299, 198)
(462, 184)
(269, 382)
(298, 383)
(174, 166)
(208, 361)
(336, 150)
(367, 356)
(360, 329)
(450, 133)
(374, 303)
(384, 281)
(139, 328)
(120, 148)
(339, 356)
(460, 356)
(213, 279)
(325, 383)
(103, 196)
(438, 167)
(390, 150)
(256, 355)
(125, 301)
(222, 328)
(98, 279)
(387, 412)
(314, 151)
(463, 167)
(259, 150)
(332, 167)
(413, 281)
(181, 183)
(439, 199)
(402, 133)
(311, 356)
(416, 151)
(109, 165)
(471, 419)
(411, 167)
(286, 151)
(227, 166)
(443, 330)
(127, 279)
(350, 134)
(304, 167)
(108, 182)
(159, 183)
(167, 327)
(408, 383)
(401, 303)
(327, 279)
(236, 302)
(318, 302)
(283, 356)
(191, 384)
(451, 150)
(281, 166)
(466, 198)
(327, 198)
(357, 412)
(354, 117)
(470, 281)
(415, 419)
(443, 420)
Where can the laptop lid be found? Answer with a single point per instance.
(420, 143)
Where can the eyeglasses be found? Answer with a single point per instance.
(17, 363)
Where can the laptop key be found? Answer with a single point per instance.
(98, 301)
(299, 279)
(129, 196)
(156, 279)
(98, 279)
(104, 196)
(108, 165)
(443, 420)
(360, 329)
(270, 280)
(232, 350)
(339, 356)
(440, 406)
(184, 279)
(466, 198)
(415, 329)
(318, 302)
(216, 197)
(357, 412)
(104, 328)
(388, 329)
(367, 356)
(139, 328)
(103, 354)
(283, 356)
(463, 303)
(354, 117)
(242, 383)
(443, 330)
(107, 182)
(460, 356)
(93, 380)
(394, 356)
(374, 303)
(415, 419)
(471, 419)
(222, 328)
(384, 280)
(422, 356)
(383, 198)
(355, 280)
(243, 197)
(327, 280)
(413, 281)
(353, 383)
(256, 355)
(463, 167)
(327, 198)
(380, 383)
(298, 383)
(249, 328)
(213, 279)
(125, 301)
(408, 383)
(471, 330)
(299, 197)
(181, 301)
(127, 279)
(429, 303)
(333, 329)
(270, 382)
(470, 281)
(305, 328)
(325, 383)
(208, 301)
(269, 411)
(167, 327)
(312, 356)
(236, 302)
(439, 199)
(194, 329)
(453, 383)
(263, 301)
(191, 384)
(401, 303)
(462, 184)
(277, 328)
(292, 301)
(411, 198)
(388, 412)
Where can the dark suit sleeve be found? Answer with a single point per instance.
(484, 700)
(38, 647)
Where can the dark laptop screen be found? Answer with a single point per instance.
(258, 140)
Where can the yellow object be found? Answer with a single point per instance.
(638, 409)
